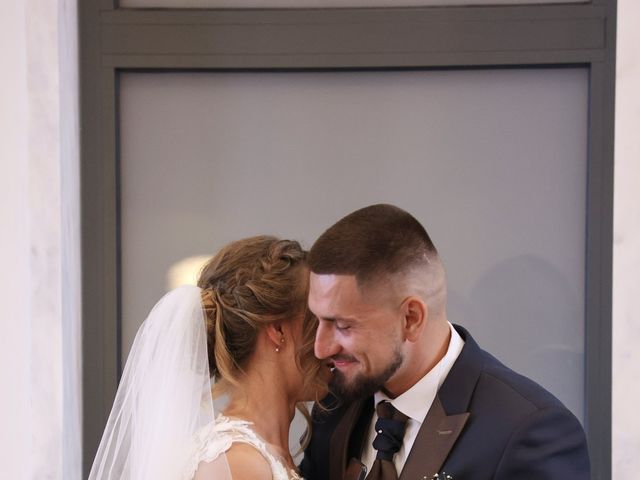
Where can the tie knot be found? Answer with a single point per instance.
(390, 429)
(388, 411)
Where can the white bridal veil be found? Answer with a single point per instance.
(163, 400)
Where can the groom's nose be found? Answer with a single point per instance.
(325, 345)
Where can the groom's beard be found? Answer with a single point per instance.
(363, 386)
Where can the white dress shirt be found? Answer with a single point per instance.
(414, 403)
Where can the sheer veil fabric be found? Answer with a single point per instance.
(163, 400)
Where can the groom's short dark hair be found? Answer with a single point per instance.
(370, 242)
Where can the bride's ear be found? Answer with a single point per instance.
(275, 332)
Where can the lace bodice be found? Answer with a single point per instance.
(216, 438)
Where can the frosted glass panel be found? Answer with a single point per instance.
(492, 162)
(323, 3)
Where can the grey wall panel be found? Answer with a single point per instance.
(493, 162)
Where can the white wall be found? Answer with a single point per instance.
(626, 248)
(39, 245)
(14, 248)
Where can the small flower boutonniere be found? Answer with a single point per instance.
(442, 476)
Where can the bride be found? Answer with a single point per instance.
(246, 331)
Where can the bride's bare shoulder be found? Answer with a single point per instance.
(247, 462)
(244, 463)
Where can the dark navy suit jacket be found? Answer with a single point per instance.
(493, 424)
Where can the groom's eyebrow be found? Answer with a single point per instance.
(338, 318)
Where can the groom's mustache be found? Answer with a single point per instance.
(341, 358)
(331, 361)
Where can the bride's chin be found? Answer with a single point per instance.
(325, 375)
(319, 388)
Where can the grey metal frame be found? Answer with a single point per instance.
(113, 40)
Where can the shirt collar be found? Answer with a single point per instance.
(416, 402)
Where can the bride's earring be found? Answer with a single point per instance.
(281, 341)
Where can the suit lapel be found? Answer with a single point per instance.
(439, 431)
(340, 440)
(435, 439)
(457, 390)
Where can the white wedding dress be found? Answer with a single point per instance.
(216, 438)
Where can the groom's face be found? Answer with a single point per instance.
(359, 333)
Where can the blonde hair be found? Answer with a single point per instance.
(246, 286)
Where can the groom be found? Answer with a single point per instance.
(416, 397)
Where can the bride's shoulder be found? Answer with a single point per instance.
(240, 461)
(235, 430)
(243, 450)
(246, 454)
(245, 461)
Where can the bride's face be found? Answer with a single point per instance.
(308, 376)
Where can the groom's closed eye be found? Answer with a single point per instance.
(342, 326)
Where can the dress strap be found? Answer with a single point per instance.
(218, 438)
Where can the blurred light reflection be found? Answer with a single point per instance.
(186, 271)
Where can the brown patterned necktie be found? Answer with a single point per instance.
(390, 428)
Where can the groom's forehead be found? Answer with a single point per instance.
(339, 296)
(324, 286)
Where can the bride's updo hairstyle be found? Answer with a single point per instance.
(246, 286)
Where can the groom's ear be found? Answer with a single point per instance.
(415, 315)
(275, 332)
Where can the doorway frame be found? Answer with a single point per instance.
(115, 40)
